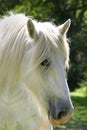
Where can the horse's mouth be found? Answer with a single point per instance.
(63, 120)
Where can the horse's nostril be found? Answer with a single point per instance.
(60, 114)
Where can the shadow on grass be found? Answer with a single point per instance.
(79, 118)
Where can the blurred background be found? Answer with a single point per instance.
(58, 11)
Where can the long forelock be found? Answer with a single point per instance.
(42, 50)
(50, 39)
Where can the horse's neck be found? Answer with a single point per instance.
(9, 80)
(16, 108)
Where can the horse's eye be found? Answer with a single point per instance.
(45, 63)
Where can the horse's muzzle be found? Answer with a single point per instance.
(62, 120)
(60, 113)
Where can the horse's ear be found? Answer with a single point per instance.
(64, 27)
(31, 28)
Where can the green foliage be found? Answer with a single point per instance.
(58, 11)
(24, 7)
(78, 67)
(7, 5)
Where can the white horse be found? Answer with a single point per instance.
(34, 94)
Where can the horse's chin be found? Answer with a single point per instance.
(60, 121)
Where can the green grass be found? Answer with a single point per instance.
(81, 92)
(79, 118)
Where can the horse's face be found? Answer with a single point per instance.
(45, 72)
